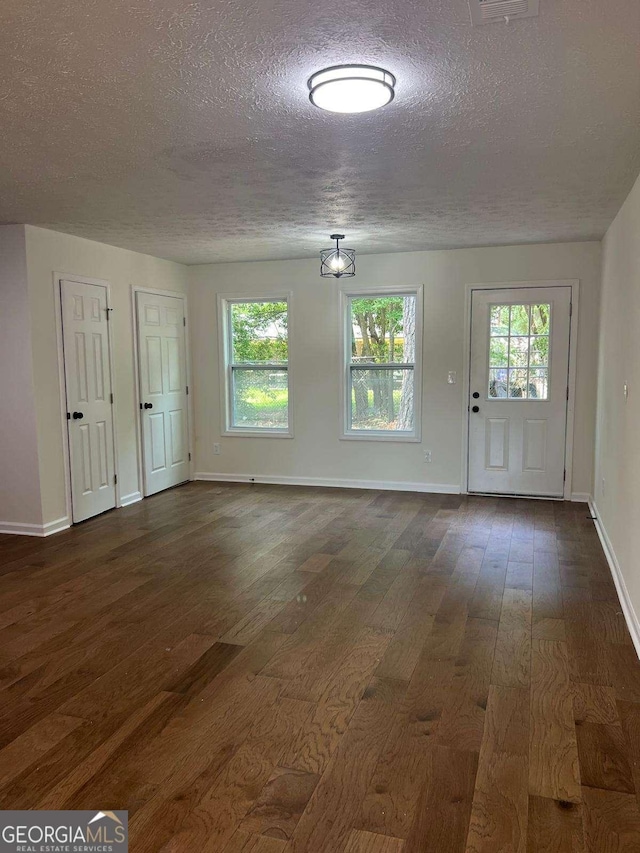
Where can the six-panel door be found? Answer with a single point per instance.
(88, 392)
(163, 390)
(518, 390)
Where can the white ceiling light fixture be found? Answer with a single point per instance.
(351, 88)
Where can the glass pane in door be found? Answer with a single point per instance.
(519, 337)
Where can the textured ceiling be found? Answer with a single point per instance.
(183, 129)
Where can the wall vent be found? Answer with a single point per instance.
(492, 11)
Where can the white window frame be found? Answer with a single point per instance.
(227, 366)
(347, 433)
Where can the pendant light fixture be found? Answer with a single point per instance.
(351, 88)
(336, 261)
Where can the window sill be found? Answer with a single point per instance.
(363, 436)
(256, 433)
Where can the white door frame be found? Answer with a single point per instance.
(58, 278)
(574, 284)
(136, 367)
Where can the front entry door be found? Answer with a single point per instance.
(163, 391)
(519, 371)
(89, 402)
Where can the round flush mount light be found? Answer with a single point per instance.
(351, 88)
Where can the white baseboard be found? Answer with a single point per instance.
(580, 497)
(57, 526)
(16, 529)
(133, 498)
(13, 527)
(378, 485)
(630, 615)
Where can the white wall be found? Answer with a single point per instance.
(49, 252)
(617, 448)
(316, 451)
(19, 475)
(32, 465)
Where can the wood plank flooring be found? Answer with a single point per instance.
(290, 670)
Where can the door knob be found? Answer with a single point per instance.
(148, 405)
(475, 395)
(475, 409)
(77, 416)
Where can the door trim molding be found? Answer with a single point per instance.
(135, 288)
(574, 284)
(58, 278)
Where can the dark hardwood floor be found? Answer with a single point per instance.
(271, 669)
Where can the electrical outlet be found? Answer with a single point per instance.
(216, 449)
(427, 456)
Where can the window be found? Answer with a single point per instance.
(383, 334)
(256, 343)
(519, 351)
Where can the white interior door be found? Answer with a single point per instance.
(163, 390)
(519, 370)
(89, 400)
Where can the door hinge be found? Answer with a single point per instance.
(189, 457)
(571, 309)
(115, 479)
(108, 310)
(111, 398)
(187, 389)
(567, 392)
(184, 321)
(564, 478)
(68, 416)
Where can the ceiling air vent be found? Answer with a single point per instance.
(491, 11)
